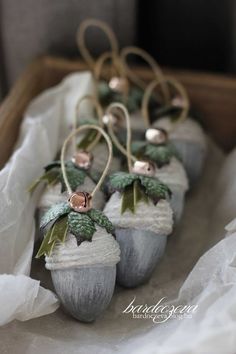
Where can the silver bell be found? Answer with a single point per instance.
(146, 168)
(156, 136)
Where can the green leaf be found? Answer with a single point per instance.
(52, 165)
(100, 219)
(161, 154)
(81, 226)
(154, 188)
(139, 194)
(167, 110)
(138, 148)
(54, 212)
(131, 196)
(137, 95)
(104, 91)
(93, 121)
(120, 180)
(127, 202)
(50, 177)
(88, 139)
(75, 177)
(46, 247)
(59, 230)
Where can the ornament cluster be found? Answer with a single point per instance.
(109, 206)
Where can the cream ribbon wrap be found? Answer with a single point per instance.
(53, 195)
(103, 250)
(173, 174)
(188, 130)
(148, 217)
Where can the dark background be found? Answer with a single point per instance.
(197, 34)
(189, 34)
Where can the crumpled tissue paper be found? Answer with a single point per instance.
(198, 268)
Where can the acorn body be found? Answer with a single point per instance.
(140, 253)
(84, 275)
(142, 238)
(190, 143)
(174, 176)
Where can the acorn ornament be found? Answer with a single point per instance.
(184, 133)
(136, 121)
(141, 214)
(115, 86)
(79, 246)
(158, 151)
(92, 141)
(80, 175)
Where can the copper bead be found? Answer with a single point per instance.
(83, 159)
(114, 118)
(178, 102)
(146, 168)
(119, 84)
(80, 201)
(156, 136)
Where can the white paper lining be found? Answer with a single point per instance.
(198, 267)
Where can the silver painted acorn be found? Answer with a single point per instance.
(142, 237)
(190, 142)
(84, 275)
(175, 177)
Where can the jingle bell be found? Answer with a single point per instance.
(156, 136)
(119, 84)
(80, 201)
(178, 102)
(146, 168)
(114, 118)
(83, 159)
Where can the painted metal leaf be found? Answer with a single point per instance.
(104, 92)
(131, 196)
(160, 154)
(75, 177)
(127, 202)
(46, 247)
(54, 212)
(53, 164)
(139, 194)
(101, 220)
(81, 226)
(120, 180)
(49, 177)
(167, 110)
(154, 188)
(138, 148)
(59, 230)
(93, 121)
(88, 139)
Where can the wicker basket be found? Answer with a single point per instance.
(213, 95)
